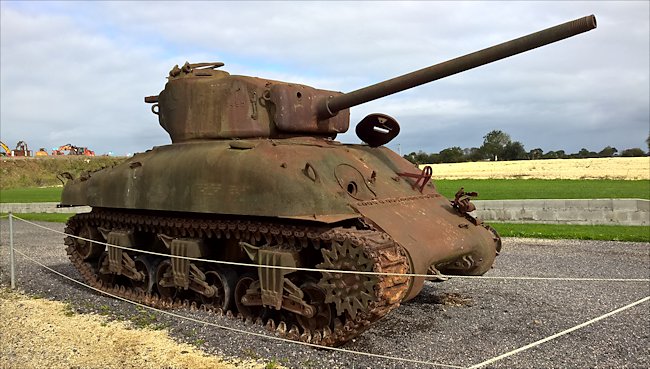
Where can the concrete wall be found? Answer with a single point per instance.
(588, 211)
(40, 207)
(593, 211)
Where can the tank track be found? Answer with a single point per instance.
(386, 256)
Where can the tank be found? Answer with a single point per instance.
(254, 176)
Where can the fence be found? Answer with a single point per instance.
(11, 217)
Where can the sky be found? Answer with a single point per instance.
(77, 72)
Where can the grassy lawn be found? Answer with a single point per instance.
(519, 189)
(45, 217)
(36, 194)
(580, 232)
(488, 189)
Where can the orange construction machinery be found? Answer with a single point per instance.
(21, 149)
(4, 149)
(69, 149)
(41, 152)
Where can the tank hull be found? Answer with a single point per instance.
(298, 179)
(292, 178)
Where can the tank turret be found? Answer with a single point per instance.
(200, 102)
(253, 176)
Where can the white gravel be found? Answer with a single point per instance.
(460, 322)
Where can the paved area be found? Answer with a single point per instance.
(460, 322)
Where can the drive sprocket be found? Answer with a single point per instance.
(350, 292)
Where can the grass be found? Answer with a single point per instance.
(38, 172)
(104, 310)
(33, 194)
(580, 232)
(45, 217)
(146, 319)
(273, 364)
(519, 189)
(68, 310)
(488, 189)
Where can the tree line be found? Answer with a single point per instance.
(497, 145)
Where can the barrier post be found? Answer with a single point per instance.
(11, 252)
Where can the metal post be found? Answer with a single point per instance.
(11, 252)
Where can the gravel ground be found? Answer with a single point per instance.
(460, 322)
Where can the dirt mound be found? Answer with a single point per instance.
(40, 172)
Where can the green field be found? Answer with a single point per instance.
(488, 189)
(580, 232)
(21, 181)
(520, 189)
(45, 217)
(45, 194)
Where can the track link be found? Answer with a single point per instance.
(386, 257)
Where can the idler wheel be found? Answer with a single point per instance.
(223, 281)
(89, 250)
(315, 296)
(145, 265)
(243, 285)
(348, 291)
(164, 273)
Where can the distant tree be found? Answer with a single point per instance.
(633, 152)
(584, 153)
(494, 143)
(417, 158)
(434, 159)
(535, 154)
(514, 151)
(550, 155)
(607, 152)
(452, 155)
(647, 141)
(561, 154)
(410, 157)
(422, 157)
(475, 154)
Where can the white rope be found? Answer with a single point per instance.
(567, 331)
(337, 270)
(487, 362)
(411, 275)
(239, 330)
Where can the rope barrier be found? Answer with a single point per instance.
(476, 366)
(567, 331)
(337, 349)
(358, 272)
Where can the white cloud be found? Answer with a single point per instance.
(77, 72)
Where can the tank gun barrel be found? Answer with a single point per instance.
(329, 107)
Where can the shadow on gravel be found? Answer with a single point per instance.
(441, 298)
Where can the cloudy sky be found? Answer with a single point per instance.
(77, 72)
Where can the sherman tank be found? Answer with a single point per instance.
(254, 176)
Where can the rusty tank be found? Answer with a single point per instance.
(254, 176)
